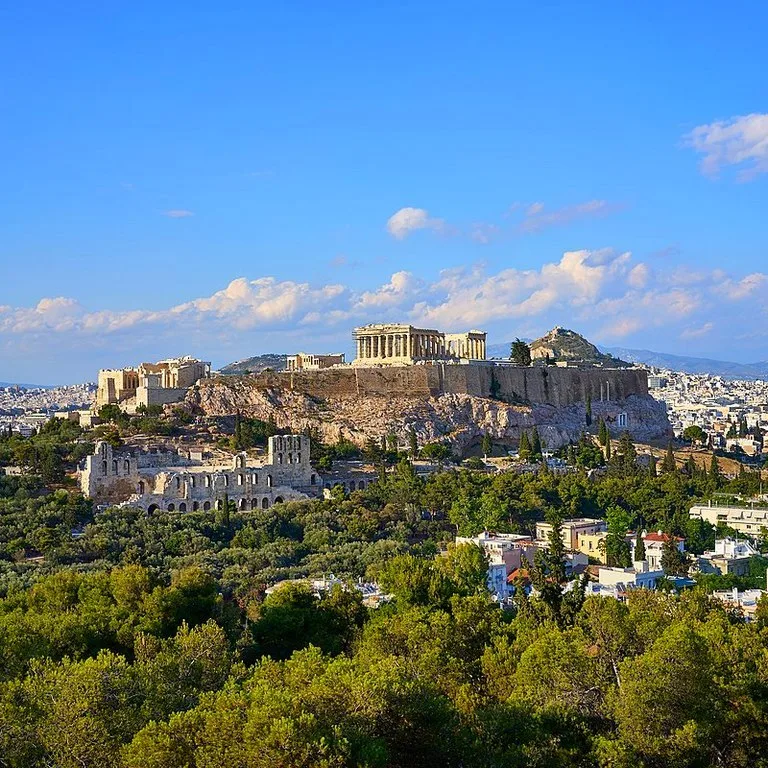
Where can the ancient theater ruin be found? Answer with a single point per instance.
(178, 480)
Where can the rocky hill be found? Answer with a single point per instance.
(564, 344)
(255, 365)
(461, 418)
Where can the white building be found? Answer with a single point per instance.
(629, 578)
(505, 552)
(730, 556)
(654, 547)
(745, 520)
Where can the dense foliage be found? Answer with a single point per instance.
(133, 640)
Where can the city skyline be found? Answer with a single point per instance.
(230, 183)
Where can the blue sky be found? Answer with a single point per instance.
(177, 178)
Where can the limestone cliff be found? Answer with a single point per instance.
(462, 418)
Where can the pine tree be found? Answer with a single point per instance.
(520, 352)
(669, 464)
(691, 468)
(524, 448)
(588, 415)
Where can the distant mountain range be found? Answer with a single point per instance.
(692, 364)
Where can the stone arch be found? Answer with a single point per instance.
(265, 503)
(152, 508)
(269, 481)
(219, 504)
(207, 481)
(171, 507)
(254, 504)
(279, 500)
(206, 506)
(242, 504)
(240, 479)
(182, 507)
(178, 482)
(114, 466)
(103, 467)
(141, 487)
(195, 506)
(127, 465)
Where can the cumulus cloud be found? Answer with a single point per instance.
(602, 292)
(401, 223)
(537, 217)
(736, 290)
(740, 141)
(178, 213)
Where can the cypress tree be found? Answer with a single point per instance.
(669, 464)
(603, 435)
(535, 444)
(639, 546)
(588, 416)
(525, 446)
(608, 451)
(652, 467)
(714, 472)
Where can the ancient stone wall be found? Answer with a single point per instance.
(548, 385)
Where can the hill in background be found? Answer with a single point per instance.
(255, 364)
(562, 344)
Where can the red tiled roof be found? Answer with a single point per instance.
(660, 537)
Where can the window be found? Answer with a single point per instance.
(313, 479)
(141, 487)
(207, 481)
(182, 507)
(171, 507)
(192, 481)
(127, 465)
(206, 505)
(178, 483)
(269, 481)
(114, 466)
(265, 503)
(240, 479)
(103, 467)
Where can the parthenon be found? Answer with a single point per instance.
(397, 344)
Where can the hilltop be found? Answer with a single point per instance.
(564, 344)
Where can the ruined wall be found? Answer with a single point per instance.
(539, 384)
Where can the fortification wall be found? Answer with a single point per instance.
(548, 385)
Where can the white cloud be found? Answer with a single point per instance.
(178, 213)
(538, 218)
(697, 332)
(401, 223)
(601, 292)
(736, 290)
(741, 141)
(638, 276)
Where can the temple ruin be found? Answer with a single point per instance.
(398, 344)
